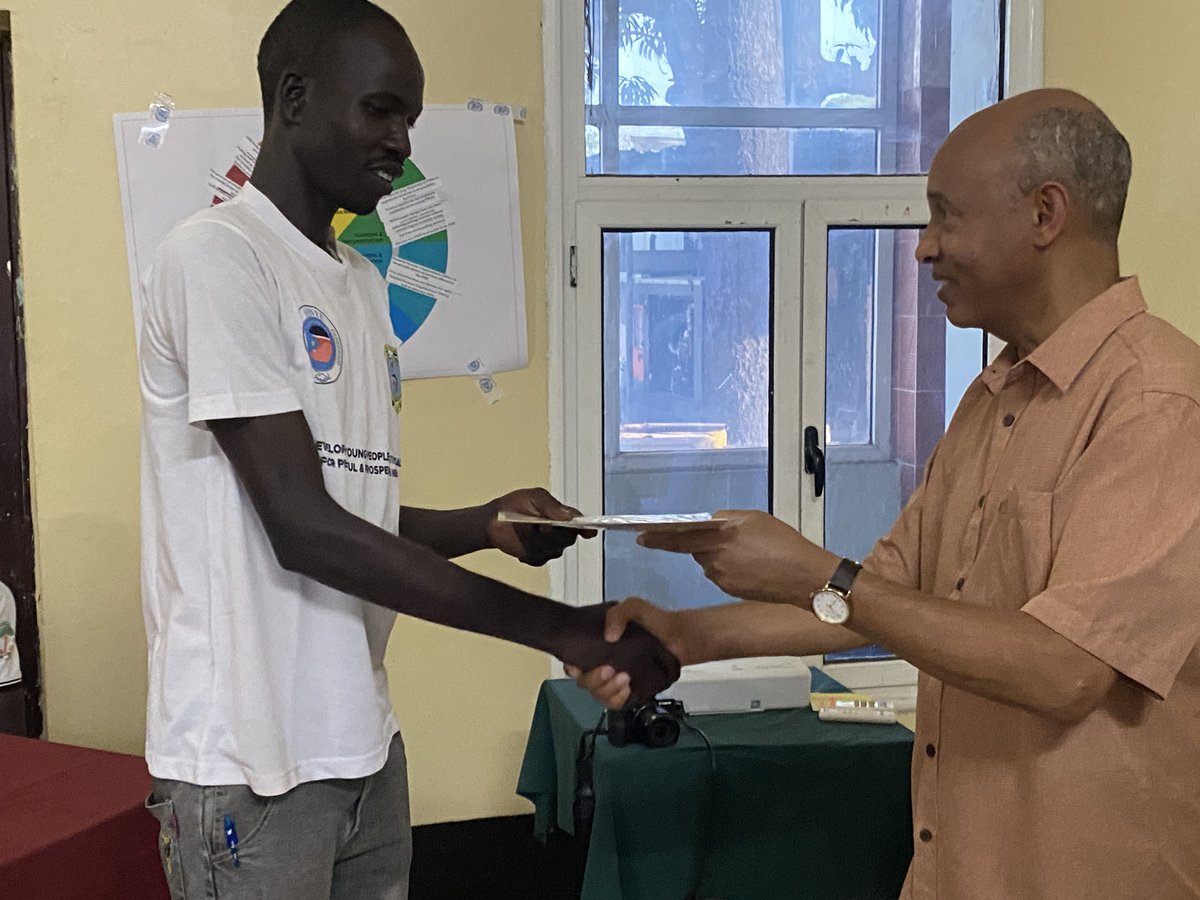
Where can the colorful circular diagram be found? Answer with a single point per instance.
(366, 234)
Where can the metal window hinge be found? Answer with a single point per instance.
(573, 267)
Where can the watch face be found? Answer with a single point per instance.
(830, 607)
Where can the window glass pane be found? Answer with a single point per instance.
(672, 150)
(687, 387)
(850, 337)
(895, 370)
(747, 87)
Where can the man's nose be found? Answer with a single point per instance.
(398, 141)
(927, 249)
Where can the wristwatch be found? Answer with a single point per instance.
(831, 604)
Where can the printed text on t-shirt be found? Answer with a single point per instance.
(357, 459)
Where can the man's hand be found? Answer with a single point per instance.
(534, 545)
(622, 645)
(611, 685)
(754, 557)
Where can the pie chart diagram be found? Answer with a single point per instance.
(366, 234)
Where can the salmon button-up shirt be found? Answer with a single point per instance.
(1067, 487)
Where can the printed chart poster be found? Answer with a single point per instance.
(447, 240)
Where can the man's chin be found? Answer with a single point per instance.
(361, 207)
(958, 315)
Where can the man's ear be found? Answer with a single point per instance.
(291, 97)
(1051, 204)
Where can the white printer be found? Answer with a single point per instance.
(743, 685)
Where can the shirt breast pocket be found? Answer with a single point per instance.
(1017, 552)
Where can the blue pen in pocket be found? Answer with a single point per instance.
(232, 840)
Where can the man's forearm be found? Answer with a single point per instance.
(411, 577)
(449, 533)
(314, 536)
(351, 555)
(749, 628)
(1004, 655)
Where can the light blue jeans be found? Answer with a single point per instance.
(341, 839)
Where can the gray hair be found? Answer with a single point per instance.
(1083, 151)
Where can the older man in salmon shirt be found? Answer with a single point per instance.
(1045, 578)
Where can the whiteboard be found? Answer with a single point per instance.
(474, 156)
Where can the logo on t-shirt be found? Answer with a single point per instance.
(323, 345)
(393, 368)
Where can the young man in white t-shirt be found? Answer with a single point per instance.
(275, 549)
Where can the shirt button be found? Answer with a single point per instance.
(929, 751)
(1009, 419)
(958, 587)
(925, 835)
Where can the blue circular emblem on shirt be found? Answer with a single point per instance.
(322, 344)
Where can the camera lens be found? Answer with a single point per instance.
(660, 728)
(663, 732)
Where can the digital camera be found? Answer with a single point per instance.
(655, 724)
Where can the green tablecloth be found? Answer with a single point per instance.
(799, 808)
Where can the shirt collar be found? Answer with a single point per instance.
(270, 214)
(1063, 355)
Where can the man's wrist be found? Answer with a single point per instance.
(485, 515)
(810, 583)
(574, 634)
(546, 625)
(700, 645)
(561, 635)
(697, 642)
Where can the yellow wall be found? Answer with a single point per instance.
(1133, 60)
(464, 702)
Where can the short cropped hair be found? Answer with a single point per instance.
(1083, 151)
(302, 31)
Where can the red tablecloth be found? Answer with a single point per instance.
(72, 825)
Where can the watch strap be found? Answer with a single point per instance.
(843, 576)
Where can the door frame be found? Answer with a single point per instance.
(20, 706)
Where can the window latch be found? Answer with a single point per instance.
(814, 458)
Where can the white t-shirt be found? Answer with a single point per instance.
(260, 676)
(10, 660)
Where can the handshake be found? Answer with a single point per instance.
(648, 665)
(627, 653)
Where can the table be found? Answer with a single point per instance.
(798, 808)
(73, 825)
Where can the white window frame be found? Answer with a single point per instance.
(583, 473)
(820, 216)
(879, 447)
(576, 202)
